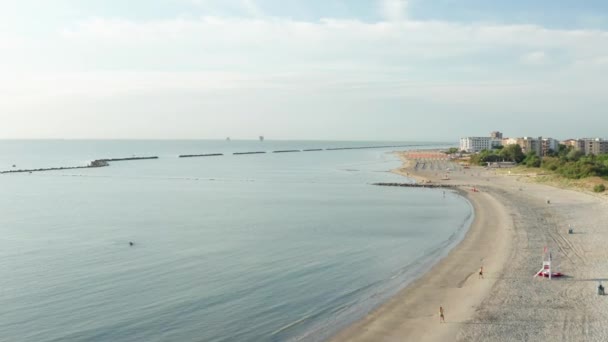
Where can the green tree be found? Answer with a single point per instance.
(485, 156)
(512, 153)
(532, 160)
(576, 165)
(574, 155)
(552, 163)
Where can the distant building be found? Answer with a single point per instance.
(526, 143)
(496, 135)
(541, 146)
(595, 146)
(548, 145)
(509, 141)
(476, 144)
(531, 144)
(577, 144)
(588, 145)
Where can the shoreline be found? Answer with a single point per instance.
(515, 221)
(452, 282)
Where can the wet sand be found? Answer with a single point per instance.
(513, 223)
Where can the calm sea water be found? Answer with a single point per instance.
(272, 247)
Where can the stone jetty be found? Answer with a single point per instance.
(294, 150)
(200, 155)
(95, 163)
(417, 185)
(256, 152)
(127, 159)
(365, 147)
(106, 161)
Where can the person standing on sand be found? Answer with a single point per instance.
(481, 272)
(441, 316)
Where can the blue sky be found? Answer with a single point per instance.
(302, 69)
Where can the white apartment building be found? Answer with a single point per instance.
(476, 144)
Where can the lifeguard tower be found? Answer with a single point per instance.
(547, 271)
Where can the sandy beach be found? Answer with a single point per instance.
(513, 223)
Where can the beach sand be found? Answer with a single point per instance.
(513, 223)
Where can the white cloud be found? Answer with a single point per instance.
(534, 58)
(415, 39)
(394, 10)
(216, 66)
(240, 7)
(384, 58)
(252, 8)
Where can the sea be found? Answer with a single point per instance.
(257, 247)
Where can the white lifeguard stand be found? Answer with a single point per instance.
(546, 271)
(546, 268)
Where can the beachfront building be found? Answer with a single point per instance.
(531, 144)
(476, 144)
(541, 146)
(509, 141)
(527, 144)
(571, 142)
(496, 135)
(548, 145)
(594, 146)
(588, 145)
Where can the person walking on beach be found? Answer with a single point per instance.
(481, 272)
(441, 315)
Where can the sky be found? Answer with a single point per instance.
(417, 70)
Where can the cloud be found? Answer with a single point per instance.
(265, 44)
(429, 59)
(252, 8)
(394, 10)
(218, 65)
(246, 8)
(534, 58)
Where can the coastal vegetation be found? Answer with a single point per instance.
(452, 150)
(573, 164)
(566, 161)
(511, 153)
